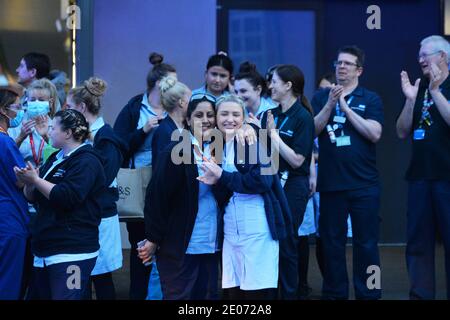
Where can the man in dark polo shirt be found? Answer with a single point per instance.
(426, 119)
(348, 122)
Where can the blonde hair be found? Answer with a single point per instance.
(230, 98)
(172, 91)
(47, 85)
(90, 93)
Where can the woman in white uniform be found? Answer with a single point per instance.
(252, 217)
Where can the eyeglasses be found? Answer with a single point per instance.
(200, 96)
(426, 55)
(345, 63)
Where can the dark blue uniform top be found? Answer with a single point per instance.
(296, 127)
(67, 222)
(13, 206)
(162, 137)
(348, 167)
(430, 158)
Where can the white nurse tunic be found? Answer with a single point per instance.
(250, 255)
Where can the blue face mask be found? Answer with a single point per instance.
(17, 121)
(37, 108)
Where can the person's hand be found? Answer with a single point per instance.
(436, 77)
(270, 125)
(41, 126)
(152, 123)
(334, 95)
(254, 120)
(312, 184)
(246, 133)
(28, 175)
(343, 104)
(409, 90)
(211, 172)
(147, 251)
(26, 129)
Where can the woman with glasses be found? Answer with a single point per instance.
(182, 215)
(293, 143)
(13, 206)
(67, 191)
(256, 214)
(136, 124)
(219, 71)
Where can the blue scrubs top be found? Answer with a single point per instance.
(13, 206)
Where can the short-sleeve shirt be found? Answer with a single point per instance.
(353, 166)
(430, 158)
(296, 129)
(13, 206)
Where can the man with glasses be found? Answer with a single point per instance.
(348, 123)
(426, 119)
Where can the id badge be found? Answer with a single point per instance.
(343, 141)
(339, 119)
(419, 134)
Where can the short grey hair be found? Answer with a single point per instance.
(439, 44)
(230, 98)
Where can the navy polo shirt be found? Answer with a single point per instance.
(354, 166)
(430, 159)
(296, 127)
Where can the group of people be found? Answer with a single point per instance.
(215, 208)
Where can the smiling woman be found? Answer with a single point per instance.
(251, 87)
(181, 214)
(252, 219)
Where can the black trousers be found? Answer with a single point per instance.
(363, 205)
(139, 274)
(62, 281)
(196, 278)
(428, 215)
(297, 191)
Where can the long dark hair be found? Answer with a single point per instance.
(290, 72)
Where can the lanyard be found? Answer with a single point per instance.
(426, 116)
(37, 158)
(339, 113)
(282, 124)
